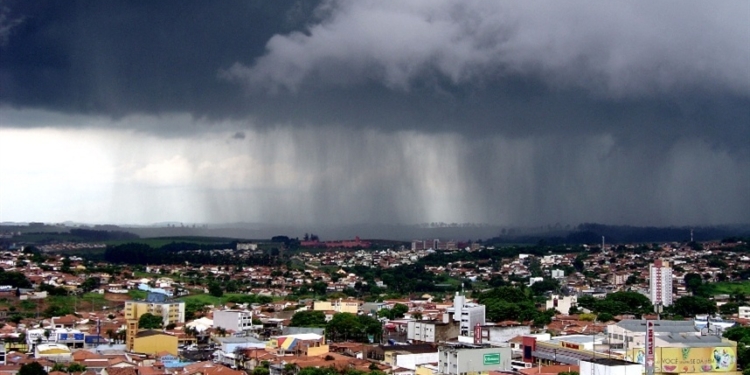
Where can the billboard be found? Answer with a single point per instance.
(491, 359)
(682, 360)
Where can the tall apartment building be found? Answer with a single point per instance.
(159, 305)
(660, 283)
(233, 320)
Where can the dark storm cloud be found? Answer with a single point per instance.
(117, 58)
(634, 112)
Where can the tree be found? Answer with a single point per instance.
(692, 305)
(215, 290)
(90, 284)
(60, 367)
(399, 310)
(33, 368)
(309, 318)
(605, 317)
(150, 321)
(343, 326)
(65, 265)
(76, 367)
(693, 281)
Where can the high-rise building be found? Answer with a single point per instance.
(157, 304)
(660, 283)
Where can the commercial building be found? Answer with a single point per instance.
(660, 283)
(688, 354)
(233, 320)
(463, 360)
(631, 333)
(156, 304)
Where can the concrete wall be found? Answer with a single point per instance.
(503, 334)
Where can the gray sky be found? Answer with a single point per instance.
(510, 113)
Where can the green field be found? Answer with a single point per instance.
(208, 299)
(727, 287)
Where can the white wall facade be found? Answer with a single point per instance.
(411, 361)
(234, 320)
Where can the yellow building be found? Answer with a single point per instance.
(152, 342)
(309, 344)
(339, 306)
(159, 305)
(719, 358)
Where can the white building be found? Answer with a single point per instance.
(660, 283)
(561, 303)
(558, 274)
(467, 314)
(533, 280)
(464, 360)
(744, 312)
(233, 320)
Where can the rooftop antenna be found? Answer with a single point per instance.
(691, 235)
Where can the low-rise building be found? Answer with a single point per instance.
(233, 320)
(154, 342)
(462, 360)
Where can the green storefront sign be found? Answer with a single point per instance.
(491, 359)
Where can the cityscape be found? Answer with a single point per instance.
(337, 187)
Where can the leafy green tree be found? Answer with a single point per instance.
(65, 265)
(742, 336)
(546, 285)
(319, 288)
(90, 284)
(60, 367)
(605, 317)
(260, 370)
(33, 368)
(693, 281)
(215, 290)
(14, 279)
(396, 312)
(76, 367)
(309, 318)
(692, 305)
(150, 321)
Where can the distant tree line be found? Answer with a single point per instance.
(102, 235)
(181, 252)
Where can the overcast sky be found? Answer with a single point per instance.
(341, 112)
